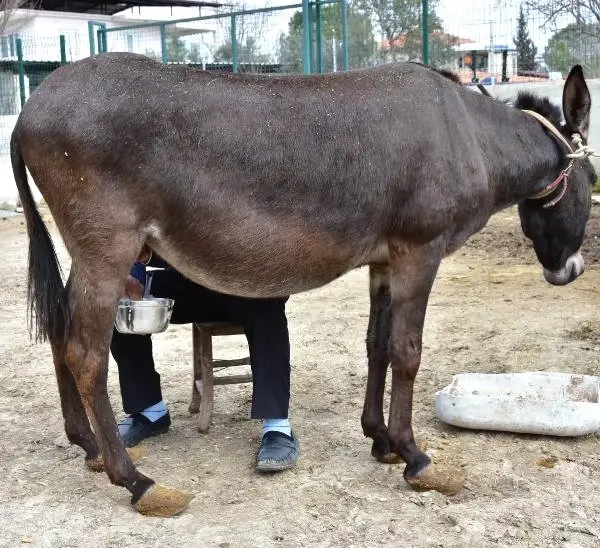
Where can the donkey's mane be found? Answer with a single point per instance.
(541, 105)
(450, 75)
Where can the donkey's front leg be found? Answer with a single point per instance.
(413, 271)
(378, 336)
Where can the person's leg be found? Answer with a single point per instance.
(265, 325)
(140, 389)
(138, 378)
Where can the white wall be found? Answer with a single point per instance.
(40, 31)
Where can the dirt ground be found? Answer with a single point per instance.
(490, 311)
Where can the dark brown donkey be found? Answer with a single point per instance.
(266, 186)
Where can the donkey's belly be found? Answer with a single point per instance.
(248, 279)
(262, 268)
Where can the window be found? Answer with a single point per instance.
(8, 45)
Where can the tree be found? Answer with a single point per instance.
(526, 50)
(177, 51)
(441, 45)
(195, 53)
(575, 44)
(397, 19)
(585, 12)
(400, 24)
(578, 42)
(249, 29)
(248, 52)
(361, 42)
(8, 7)
(290, 45)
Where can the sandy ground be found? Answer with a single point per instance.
(490, 311)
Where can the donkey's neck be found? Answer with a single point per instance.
(522, 158)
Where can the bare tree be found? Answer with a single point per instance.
(249, 31)
(585, 12)
(7, 9)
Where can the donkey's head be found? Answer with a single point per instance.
(555, 217)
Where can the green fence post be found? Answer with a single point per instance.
(234, 49)
(63, 49)
(311, 37)
(425, 31)
(163, 44)
(99, 41)
(306, 58)
(102, 43)
(319, 33)
(21, 68)
(92, 38)
(345, 48)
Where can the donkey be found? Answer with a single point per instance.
(266, 186)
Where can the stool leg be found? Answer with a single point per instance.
(205, 388)
(197, 380)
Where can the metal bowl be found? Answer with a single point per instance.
(143, 317)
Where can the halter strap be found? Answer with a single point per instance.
(552, 129)
(581, 151)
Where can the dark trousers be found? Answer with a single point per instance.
(264, 323)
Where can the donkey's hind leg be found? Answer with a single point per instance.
(378, 336)
(96, 294)
(77, 425)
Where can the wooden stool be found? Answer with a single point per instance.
(202, 387)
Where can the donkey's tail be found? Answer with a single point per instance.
(46, 296)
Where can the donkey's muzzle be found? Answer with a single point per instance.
(573, 268)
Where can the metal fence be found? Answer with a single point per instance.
(259, 40)
(496, 40)
(493, 41)
(24, 63)
(513, 40)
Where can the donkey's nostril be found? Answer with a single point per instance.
(574, 267)
(577, 264)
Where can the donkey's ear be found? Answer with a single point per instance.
(577, 103)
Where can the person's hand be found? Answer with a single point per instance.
(134, 289)
(145, 255)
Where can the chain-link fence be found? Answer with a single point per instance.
(230, 41)
(259, 40)
(514, 40)
(490, 40)
(494, 40)
(24, 63)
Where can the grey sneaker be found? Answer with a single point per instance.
(277, 452)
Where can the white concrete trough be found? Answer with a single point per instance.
(540, 402)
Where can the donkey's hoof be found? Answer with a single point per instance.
(382, 451)
(162, 502)
(447, 480)
(97, 463)
(389, 457)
